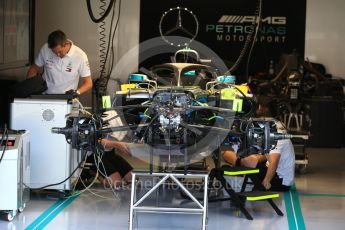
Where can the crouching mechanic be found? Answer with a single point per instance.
(115, 170)
(277, 168)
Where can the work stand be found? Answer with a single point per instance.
(136, 204)
(238, 199)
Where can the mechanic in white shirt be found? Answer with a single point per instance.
(277, 168)
(63, 64)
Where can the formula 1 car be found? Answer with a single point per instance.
(181, 109)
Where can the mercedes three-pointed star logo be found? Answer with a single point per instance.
(179, 27)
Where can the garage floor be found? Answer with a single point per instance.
(318, 202)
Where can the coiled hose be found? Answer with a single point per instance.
(103, 16)
(102, 39)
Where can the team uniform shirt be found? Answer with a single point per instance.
(62, 74)
(286, 165)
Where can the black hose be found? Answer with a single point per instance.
(112, 39)
(97, 20)
(258, 19)
(4, 138)
(254, 31)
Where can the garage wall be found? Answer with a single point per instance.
(325, 33)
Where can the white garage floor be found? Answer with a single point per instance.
(317, 203)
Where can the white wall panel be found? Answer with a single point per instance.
(325, 34)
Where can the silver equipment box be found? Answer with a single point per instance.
(52, 158)
(14, 173)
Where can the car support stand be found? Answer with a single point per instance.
(135, 205)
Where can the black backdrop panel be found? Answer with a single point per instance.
(326, 127)
(224, 25)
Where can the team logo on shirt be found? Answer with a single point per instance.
(69, 67)
(49, 63)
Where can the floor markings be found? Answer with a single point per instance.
(47, 216)
(293, 209)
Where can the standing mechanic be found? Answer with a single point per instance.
(63, 64)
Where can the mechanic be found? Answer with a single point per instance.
(277, 168)
(63, 63)
(117, 170)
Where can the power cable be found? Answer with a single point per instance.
(258, 20)
(4, 135)
(112, 50)
(61, 182)
(248, 39)
(105, 52)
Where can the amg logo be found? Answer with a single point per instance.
(275, 20)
